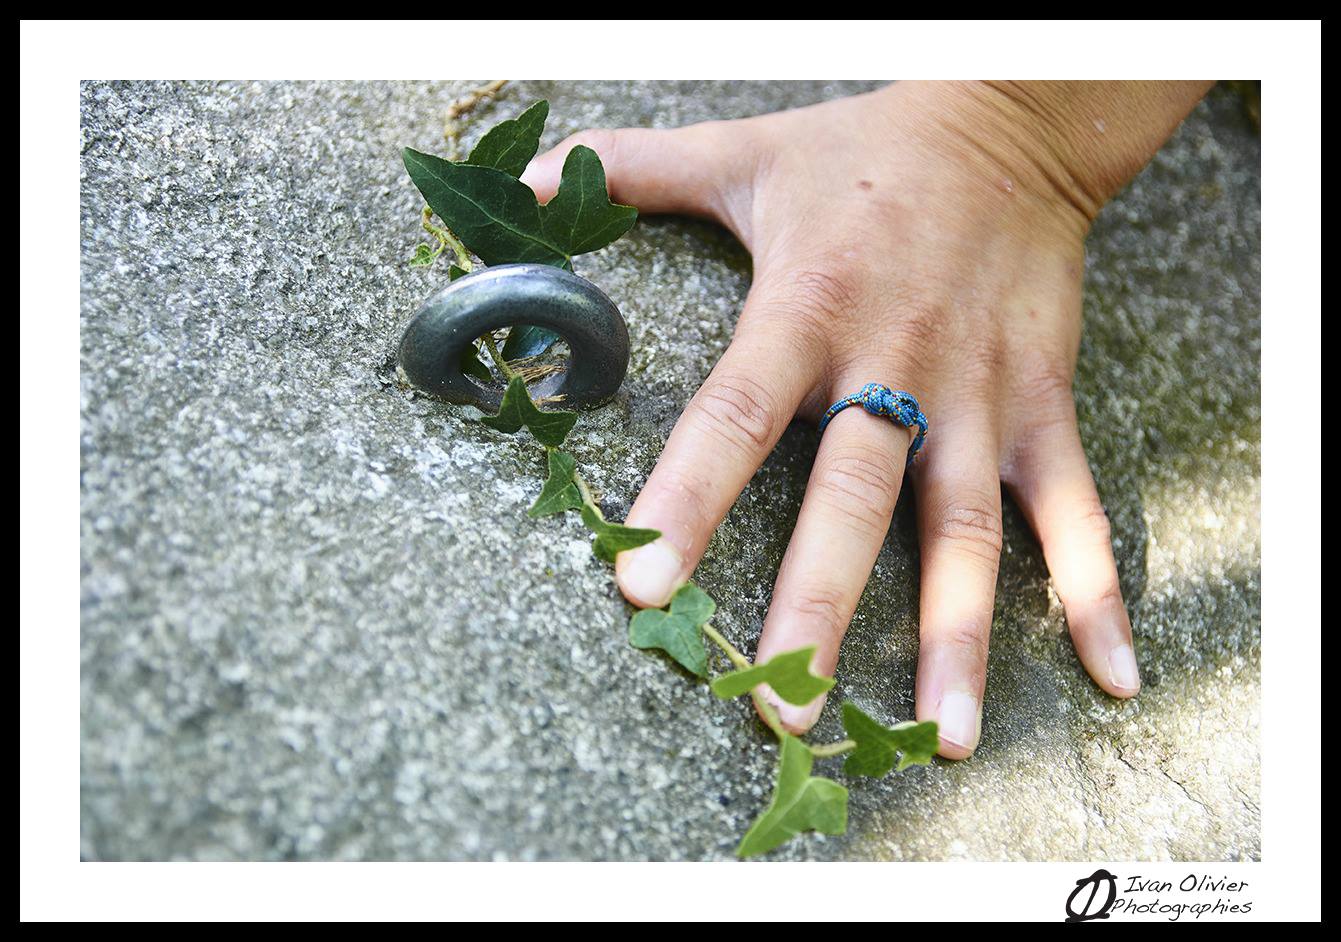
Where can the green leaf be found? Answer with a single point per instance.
(801, 802)
(580, 217)
(877, 744)
(525, 340)
(613, 538)
(454, 272)
(517, 409)
(472, 365)
(787, 673)
(678, 632)
(423, 256)
(511, 145)
(559, 493)
(495, 214)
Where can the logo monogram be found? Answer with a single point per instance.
(1088, 909)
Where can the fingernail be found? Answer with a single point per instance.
(958, 719)
(798, 719)
(1122, 670)
(650, 574)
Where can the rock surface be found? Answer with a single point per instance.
(316, 622)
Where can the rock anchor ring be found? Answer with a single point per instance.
(508, 296)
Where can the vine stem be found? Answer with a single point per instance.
(446, 239)
(585, 490)
(766, 710)
(738, 659)
(833, 748)
(770, 714)
(464, 105)
(492, 346)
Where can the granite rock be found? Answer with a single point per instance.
(317, 624)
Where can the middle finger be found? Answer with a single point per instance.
(844, 518)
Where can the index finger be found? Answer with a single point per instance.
(725, 433)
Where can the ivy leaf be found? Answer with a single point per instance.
(495, 214)
(559, 493)
(581, 217)
(472, 365)
(498, 217)
(511, 145)
(423, 256)
(877, 743)
(613, 538)
(527, 341)
(787, 673)
(517, 409)
(454, 272)
(801, 802)
(678, 632)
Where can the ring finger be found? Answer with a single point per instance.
(959, 524)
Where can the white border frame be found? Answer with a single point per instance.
(53, 884)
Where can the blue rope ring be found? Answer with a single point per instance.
(896, 405)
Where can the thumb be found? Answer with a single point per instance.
(684, 170)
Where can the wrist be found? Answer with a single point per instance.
(1073, 145)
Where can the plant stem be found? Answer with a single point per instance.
(585, 491)
(446, 239)
(467, 102)
(492, 346)
(766, 710)
(464, 105)
(833, 748)
(738, 659)
(770, 714)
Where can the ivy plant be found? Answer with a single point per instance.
(486, 211)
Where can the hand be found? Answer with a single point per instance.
(928, 237)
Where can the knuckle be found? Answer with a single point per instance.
(737, 409)
(970, 643)
(1093, 522)
(1103, 596)
(972, 525)
(813, 299)
(1109, 596)
(922, 328)
(983, 359)
(826, 606)
(685, 496)
(1045, 403)
(1046, 383)
(729, 161)
(860, 485)
(832, 289)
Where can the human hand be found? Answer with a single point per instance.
(928, 237)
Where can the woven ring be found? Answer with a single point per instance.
(896, 405)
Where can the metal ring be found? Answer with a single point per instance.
(511, 295)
